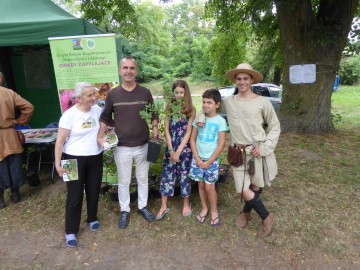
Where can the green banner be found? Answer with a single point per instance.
(90, 58)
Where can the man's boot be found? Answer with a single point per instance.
(15, 195)
(242, 220)
(2, 201)
(268, 223)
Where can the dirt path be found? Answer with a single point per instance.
(31, 238)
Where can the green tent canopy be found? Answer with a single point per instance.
(25, 56)
(32, 22)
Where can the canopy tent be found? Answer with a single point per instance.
(25, 56)
(32, 22)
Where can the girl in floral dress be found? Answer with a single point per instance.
(178, 155)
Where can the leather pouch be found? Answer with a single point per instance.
(235, 155)
(251, 168)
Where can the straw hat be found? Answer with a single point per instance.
(244, 68)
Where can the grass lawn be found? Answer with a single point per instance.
(315, 199)
(345, 104)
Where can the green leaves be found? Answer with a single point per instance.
(165, 107)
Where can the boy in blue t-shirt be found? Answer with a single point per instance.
(206, 144)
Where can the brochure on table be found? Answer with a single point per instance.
(41, 135)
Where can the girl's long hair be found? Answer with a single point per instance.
(187, 106)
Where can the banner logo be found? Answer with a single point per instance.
(90, 43)
(76, 44)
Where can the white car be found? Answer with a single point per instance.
(271, 91)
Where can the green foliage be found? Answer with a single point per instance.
(109, 163)
(168, 106)
(246, 31)
(156, 168)
(337, 118)
(349, 71)
(114, 16)
(226, 50)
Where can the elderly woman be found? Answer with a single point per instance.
(78, 129)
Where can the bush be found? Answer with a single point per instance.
(349, 71)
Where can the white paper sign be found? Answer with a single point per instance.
(302, 74)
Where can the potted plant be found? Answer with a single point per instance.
(113, 193)
(109, 168)
(31, 175)
(223, 168)
(155, 175)
(160, 107)
(223, 173)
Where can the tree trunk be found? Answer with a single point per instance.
(277, 76)
(308, 38)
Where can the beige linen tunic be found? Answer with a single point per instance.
(256, 112)
(9, 100)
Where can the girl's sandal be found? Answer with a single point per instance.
(218, 223)
(200, 219)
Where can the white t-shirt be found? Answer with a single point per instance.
(84, 127)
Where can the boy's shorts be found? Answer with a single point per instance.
(210, 175)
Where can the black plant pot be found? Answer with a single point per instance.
(153, 181)
(222, 178)
(114, 196)
(154, 148)
(155, 193)
(223, 173)
(194, 186)
(32, 178)
(104, 189)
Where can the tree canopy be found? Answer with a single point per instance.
(311, 32)
(184, 39)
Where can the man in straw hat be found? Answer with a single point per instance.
(247, 113)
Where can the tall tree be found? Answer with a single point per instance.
(113, 15)
(311, 32)
(187, 27)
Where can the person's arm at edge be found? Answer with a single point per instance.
(101, 134)
(60, 140)
(105, 120)
(168, 137)
(154, 119)
(26, 110)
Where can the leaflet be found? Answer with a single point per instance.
(111, 140)
(71, 167)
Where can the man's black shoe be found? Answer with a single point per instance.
(146, 214)
(124, 220)
(15, 196)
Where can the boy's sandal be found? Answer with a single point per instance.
(200, 219)
(71, 240)
(94, 226)
(216, 219)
